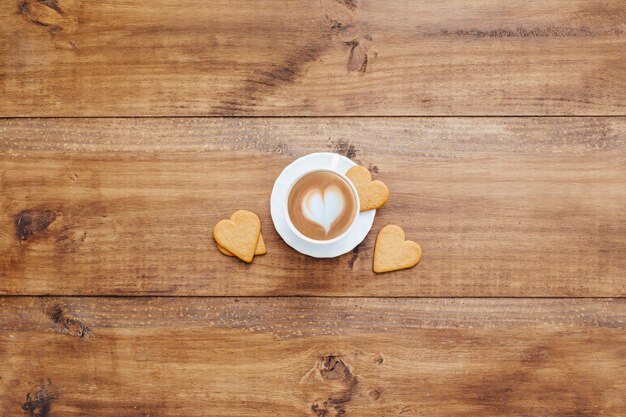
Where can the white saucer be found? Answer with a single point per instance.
(292, 171)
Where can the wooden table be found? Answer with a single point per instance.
(131, 127)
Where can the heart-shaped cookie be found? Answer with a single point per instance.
(239, 235)
(372, 194)
(261, 249)
(392, 252)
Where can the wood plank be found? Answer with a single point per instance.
(327, 57)
(501, 206)
(312, 357)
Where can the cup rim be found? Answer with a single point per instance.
(293, 228)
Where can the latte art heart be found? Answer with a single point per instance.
(323, 208)
(322, 205)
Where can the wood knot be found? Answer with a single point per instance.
(357, 60)
(374, 394)
(334, 406)
(333, 368)
(333, 385)
(38, 403)
(378, 359)
(343, 147)
(324, 409)
(71, 325)
(47, 13)
(349, 31)
(33, 221)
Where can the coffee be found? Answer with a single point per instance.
(321, 205)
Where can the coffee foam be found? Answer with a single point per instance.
(321, 205)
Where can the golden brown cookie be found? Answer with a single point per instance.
(372, 194)
(392, 252)
(239, 235)
(261, 249)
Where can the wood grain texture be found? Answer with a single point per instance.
(312, 357)
(324, 57)
(500, 206)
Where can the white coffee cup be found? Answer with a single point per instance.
(316, 241)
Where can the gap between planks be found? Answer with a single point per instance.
(330, 116)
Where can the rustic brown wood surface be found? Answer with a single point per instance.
(312, 357)
(501, 206)
(323, 57)
(518, 307)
